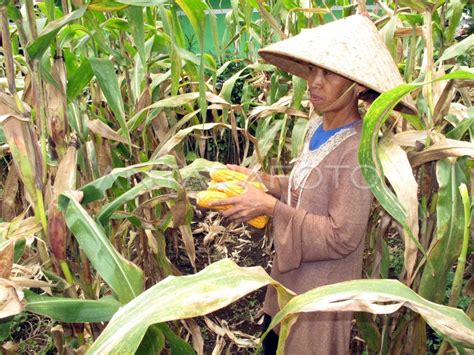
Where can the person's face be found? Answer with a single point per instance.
(326, 87)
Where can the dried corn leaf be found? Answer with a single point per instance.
(377, 297)
(410, 138)
(66, 174)
(23, 146)
(7, 251)
(10, 299)
(56, 104)
(65, 180)
(10, 192)
(19, 228)
(100, 128)
(196, 336)
(442, 149)
(187, 235)
(398, 171)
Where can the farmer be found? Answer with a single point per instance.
(320, 212)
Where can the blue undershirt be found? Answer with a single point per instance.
(321, 136)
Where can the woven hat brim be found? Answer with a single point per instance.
(294, 55)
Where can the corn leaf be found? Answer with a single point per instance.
(460, 48)
(106, 6)
(72, 310)
(398, 171)
(104, 71)
(156, 180)
(143, 2)
(449, 233)
(96, 189)
(377, 297)
(369, 159)
(195, 11)
(135, 19)
(37, 48)
(79, 79)
(215, 287)
(456, 7)
(124, 277)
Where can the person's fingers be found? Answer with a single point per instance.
(239, 216)
(231, 212)
(226, 201)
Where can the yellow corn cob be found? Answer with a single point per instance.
(220, 175)
(227, 175)
(259, 222)
(230, 188)
(203, 198)
(222, 190)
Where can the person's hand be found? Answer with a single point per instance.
(250, 204)
(271, 182)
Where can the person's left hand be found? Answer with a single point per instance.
(250, 204)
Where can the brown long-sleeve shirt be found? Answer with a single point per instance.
(319, 238)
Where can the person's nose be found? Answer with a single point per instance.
(315, 80)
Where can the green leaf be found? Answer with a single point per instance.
(297, 135)
(156, 180)
(456, 7)
(449, 233)
(95, 190)
(388, 35)
(195, 11)
(5, 325)
(458, 132)
(153, 342)
(107, 78)
(170, 102)
(106, 6)
(218, 285)
(178, 345)
(369, 330)
(124, 277)
(79, 79)
(378, 297)
(369, 159)
(143, 2)
(45, 38)
(136, 21)
(464, 47)
(299, 89)
(72, 310)
(171, 143)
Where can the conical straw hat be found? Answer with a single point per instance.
(350, 47)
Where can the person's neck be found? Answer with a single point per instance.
(339, 118)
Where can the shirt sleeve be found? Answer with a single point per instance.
(300, 236)
(283, 180)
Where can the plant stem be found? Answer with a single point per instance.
(428, 35)
(30, 13)
(67, 272)
(7, 51)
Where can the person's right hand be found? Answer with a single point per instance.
(271, 182)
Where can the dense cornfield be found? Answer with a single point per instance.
(112, 114)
